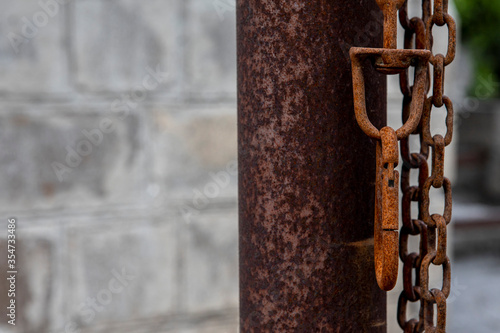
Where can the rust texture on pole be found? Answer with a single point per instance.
(306, 169)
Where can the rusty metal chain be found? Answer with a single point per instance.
(417, 109)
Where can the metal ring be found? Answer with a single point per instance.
(426, 121)
(424, 201)
(438, 161)
(441, 239)
(402, 305)
(408, 266)
(357, 54)
(408, 195)
(438, 15)
(438, 81)
(452, 38)
(440, 299)
(424, 277)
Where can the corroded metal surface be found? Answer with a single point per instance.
(307, 171)
(388, 61)
(416, 118)
(386, 209)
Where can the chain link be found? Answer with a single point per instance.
(430, 228)
(416, 114)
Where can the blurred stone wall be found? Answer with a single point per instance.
(117, 158)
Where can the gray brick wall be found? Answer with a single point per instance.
(118, 156)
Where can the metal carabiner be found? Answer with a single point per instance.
(386, 224)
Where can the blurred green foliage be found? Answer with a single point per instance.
(481, 34)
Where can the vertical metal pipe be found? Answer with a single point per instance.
(306, 170)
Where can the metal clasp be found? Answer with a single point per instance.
(388, 61)
(386, 224)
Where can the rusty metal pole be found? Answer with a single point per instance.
(307, 172)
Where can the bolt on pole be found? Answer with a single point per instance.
(306, 170)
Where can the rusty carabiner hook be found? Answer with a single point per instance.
(388, 60)
(386, 235)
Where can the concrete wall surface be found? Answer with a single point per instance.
(118, 161)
